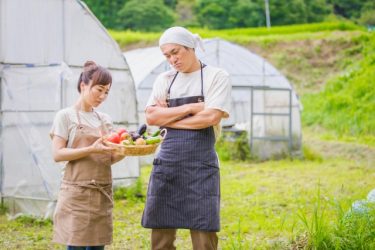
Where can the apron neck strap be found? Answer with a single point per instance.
(174, 78)
(77, 113)
(96, 113)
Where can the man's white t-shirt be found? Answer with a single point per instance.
(216, 88)
(66, 121)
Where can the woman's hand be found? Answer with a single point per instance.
(99, 147)
(62, 153)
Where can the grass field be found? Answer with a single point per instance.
(127, 39)
(262, 204)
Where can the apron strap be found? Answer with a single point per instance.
(78, 117)
(104, 128)
(95, 185)
(174, 78)
(92, 185)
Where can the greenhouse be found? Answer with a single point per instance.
(39, 78)
(263, 101)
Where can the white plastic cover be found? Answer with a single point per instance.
(43, 45)
(46, 32)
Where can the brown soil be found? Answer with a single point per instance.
(308, 64)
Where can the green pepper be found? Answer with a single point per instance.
(153, 140)
(157, 132)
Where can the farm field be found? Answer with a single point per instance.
(278, 204)
(262, 203)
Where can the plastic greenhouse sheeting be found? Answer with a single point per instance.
(258, 89)
(42, 50)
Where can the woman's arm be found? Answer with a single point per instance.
(62, 153)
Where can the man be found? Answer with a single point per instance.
(184, 187)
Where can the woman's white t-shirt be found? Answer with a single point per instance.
(216, 88)
(66, 122)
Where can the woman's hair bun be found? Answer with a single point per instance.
(89, 65)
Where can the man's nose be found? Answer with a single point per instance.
(173, 58)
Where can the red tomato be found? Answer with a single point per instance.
(120, 131)
(114, 137)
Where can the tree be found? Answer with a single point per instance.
(298, 11)
(213, 14)
(347, 8)
(185, 13)
(146, 15)
(217, 14)
(106, 11)
(246, 14)
(170, 3)
(221, 14)
(291, 12)
(316, 10)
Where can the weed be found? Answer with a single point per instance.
(347, 102)
(233, 146)
(3, 208)
(310, 155)
(132, 192)
(27, 220)
(238, 242)
(356, 228)
(316, 225)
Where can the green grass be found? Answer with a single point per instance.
(261, 206)
(243, 35)
(127, 37)
(347, 103)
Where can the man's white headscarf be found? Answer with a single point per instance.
(181, 36)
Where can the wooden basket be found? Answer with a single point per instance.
(135, 150)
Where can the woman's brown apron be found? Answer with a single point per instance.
(83, 215)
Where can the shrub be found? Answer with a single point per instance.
(233, 146)
(356, 228)
(136, 15)
(131, 193)
(3, 208)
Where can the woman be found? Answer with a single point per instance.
(83, 215)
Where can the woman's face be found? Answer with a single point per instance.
(181, 58)
(95, 95)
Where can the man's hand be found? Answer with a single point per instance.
(196, 107)
(203, 119)
(160, 114)
(161, 103)
(193, 107)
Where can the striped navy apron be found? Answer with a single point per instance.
(184, 186)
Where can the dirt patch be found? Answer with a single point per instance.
(350, 151)
(308, 64)
(138, 45)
